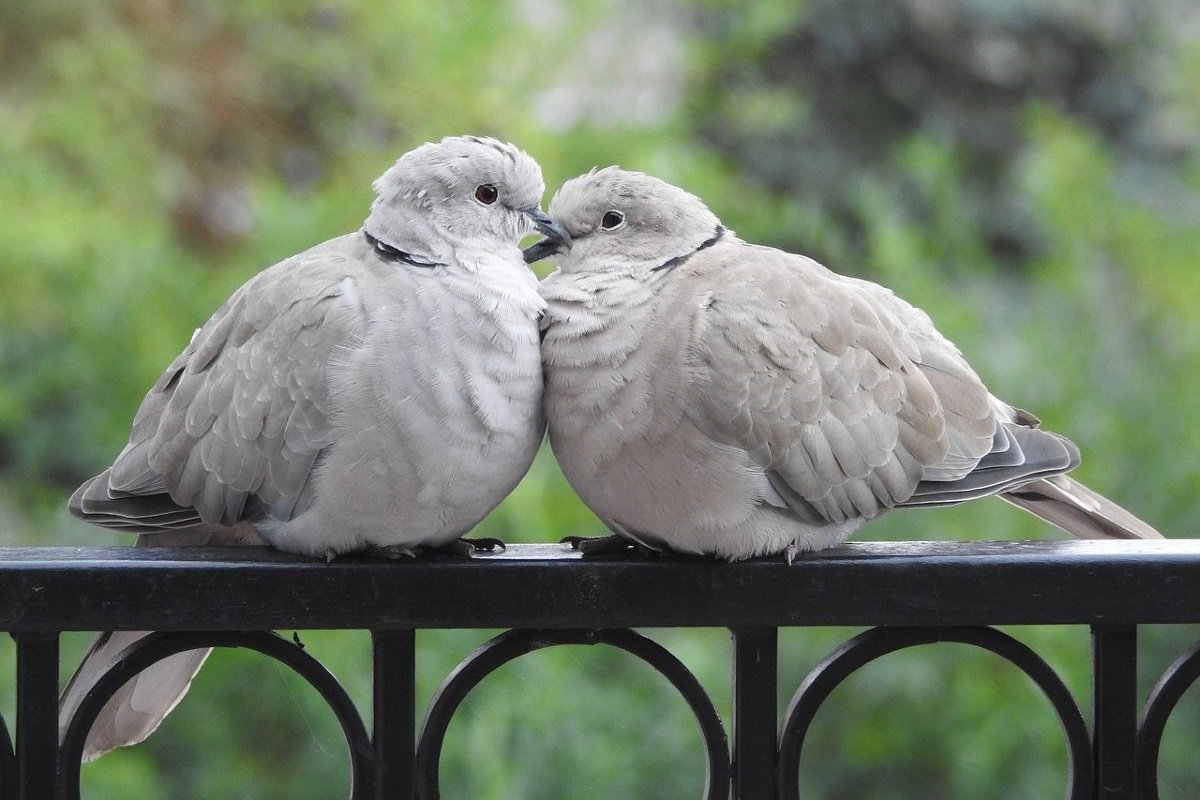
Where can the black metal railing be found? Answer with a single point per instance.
(544, 595)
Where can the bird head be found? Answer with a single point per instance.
(463, 188)
(621, 220)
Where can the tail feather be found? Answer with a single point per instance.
(1068, 504)
(138, 707)
(97, 502)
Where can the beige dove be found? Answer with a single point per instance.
(380, 392)
(710, 396)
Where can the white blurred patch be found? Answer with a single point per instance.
(627, 69)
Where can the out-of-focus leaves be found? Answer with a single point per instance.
(1026, 172)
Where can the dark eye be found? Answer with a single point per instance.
(486, 193)
(612, 220)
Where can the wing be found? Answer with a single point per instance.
(845, 395)
(233, 427)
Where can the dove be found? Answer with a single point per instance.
(709, 396)
(379, 392)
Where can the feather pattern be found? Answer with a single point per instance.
(342, 399)
(750, 401)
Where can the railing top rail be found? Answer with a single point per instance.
(549, 586)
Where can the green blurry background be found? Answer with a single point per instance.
(1025, 171)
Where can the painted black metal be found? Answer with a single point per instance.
(1114, 704)
(550, 586)
(909, 593)
(878, 642)
(37, 714)
(1163, 698)
(395, 709)
(158, 646)
(498, 651)
(8, 763)
(755, 711)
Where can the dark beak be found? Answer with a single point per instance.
(556, 236)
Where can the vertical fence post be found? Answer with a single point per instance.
(1114, 710)
(394, 714)
(37, 715)
(755, 712)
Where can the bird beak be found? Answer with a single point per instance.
(556, 235)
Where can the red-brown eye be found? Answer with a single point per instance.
(612, 220)
(486, 193)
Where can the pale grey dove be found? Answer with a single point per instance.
(706, 395)
(380, 391)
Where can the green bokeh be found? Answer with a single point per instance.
(1026, 172)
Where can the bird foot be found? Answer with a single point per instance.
(469, 547)
(597, 545)
(393, 551)
(459, 547)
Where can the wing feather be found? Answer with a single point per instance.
(242, 412)
(844, 394)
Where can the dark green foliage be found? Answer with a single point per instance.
(1026, 172)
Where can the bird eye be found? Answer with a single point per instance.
(486, 193)
(612, 220)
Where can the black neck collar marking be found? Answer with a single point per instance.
(677, 260)
(389, 253)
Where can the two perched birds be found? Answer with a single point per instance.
(384, 390)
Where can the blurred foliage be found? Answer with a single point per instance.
(1027, 172)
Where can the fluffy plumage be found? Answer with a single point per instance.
(380, 390)
(711, 396)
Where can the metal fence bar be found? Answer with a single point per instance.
(37, 715)
(1115, 710)
(530, 586)
(1171, 685)
(8, 763)
(907, 593)
(395, 711)
(755, 712)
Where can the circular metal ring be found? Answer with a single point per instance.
(157, 646)
(1162, 701)
(515, 643)
(870, 645)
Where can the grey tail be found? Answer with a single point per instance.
(98, 503)
(1068, 504)
(138, 707)
(1019, 456)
